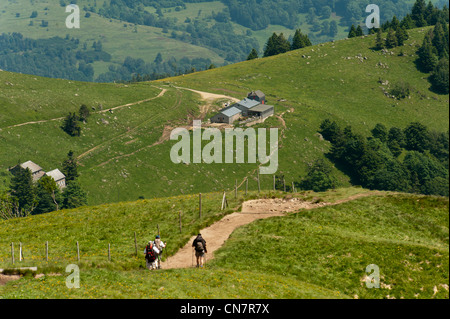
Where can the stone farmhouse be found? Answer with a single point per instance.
(253, 106)
(38, 172)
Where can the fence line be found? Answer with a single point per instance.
(224, 205)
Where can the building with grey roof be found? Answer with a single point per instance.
(261, 111)
(227, 115)
(58, 177)
(257, 95)
(245, 105)
(36, 171)
(251, 106)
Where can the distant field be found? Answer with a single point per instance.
(117, 37)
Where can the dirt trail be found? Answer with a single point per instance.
(163, 91)
(216, 234)
(209, 98)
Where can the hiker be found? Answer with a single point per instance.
(150, 255)
(199, 246)
(160, 245)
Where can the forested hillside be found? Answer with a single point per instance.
(169, 37)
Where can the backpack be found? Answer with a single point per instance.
(150, 255)
(199, 245)
(158, 244)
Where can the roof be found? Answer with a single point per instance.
(32, 166)
(262, 108)
(231, 111)
(258, 93)
(247, 103)
(56, 175)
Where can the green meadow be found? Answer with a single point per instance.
(123, 156)
(319, 253)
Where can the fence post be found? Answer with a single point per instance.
(12, 252)
(199, 206)
(284, 184)
(293, 188)
(273, 182)
(135, 244)
(246, 186)
(235, 189)
(224, 201)
(259, 185)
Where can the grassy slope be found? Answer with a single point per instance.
(318, 254)
(329, 85)
(122, 166)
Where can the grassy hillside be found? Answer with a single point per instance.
(320, 253)
(124, 155)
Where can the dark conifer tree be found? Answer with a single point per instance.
(253, 55)
(379, 43)
(352, 32)
(22, 189)
(70, 167)
(359, 31)
(391, 39)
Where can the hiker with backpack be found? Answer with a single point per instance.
(199, 246)
(151, 253)
(160, 245)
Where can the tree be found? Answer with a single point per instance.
(22, 190)
(440, 41)
(402, 35)
(379, 43)
(300, 40)
(407, 22)
(359, 31)
(271, 46)
(418, 13)
(380, 131)
(391, 39)
(253, 55)
(428, 59)
(396, 141)
(352, 32)
(9, 207)
(71, 125)
(395, 23)
(84, 113)
(158, 58)
(417, 137)
(319, 177)
(74, 196)
(440, 77)
(331, 131)
(69, 167)
(283, 44)
(48, 194)
(276, 44)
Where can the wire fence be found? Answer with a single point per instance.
(129, 248)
